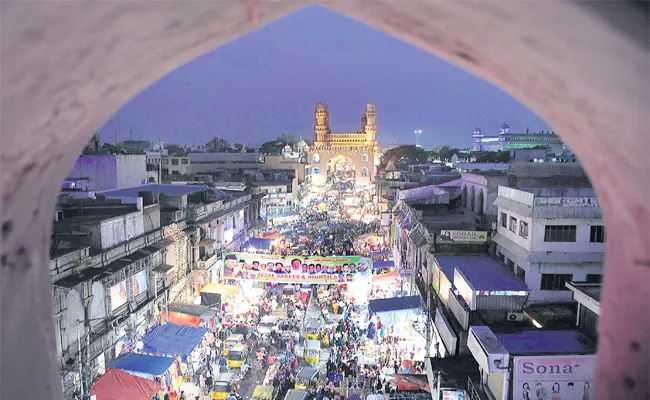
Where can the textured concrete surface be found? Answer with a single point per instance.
(67, 66)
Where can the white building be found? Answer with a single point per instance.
(550, 236)
(107, 171)
(278, 200)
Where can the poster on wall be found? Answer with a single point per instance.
(553, 377)
(118, 295)
(139, 282)
(296, 269)
(462, 237)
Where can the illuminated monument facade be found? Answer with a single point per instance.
(347, 158)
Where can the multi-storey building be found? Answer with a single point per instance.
(550, 236)
(98, 172)
(506, 140)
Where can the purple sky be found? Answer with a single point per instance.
(268, 82)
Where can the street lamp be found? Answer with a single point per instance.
(417, 132)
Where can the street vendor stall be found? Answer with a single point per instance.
(166, 369)
(116, 384)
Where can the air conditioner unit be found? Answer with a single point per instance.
(515, 316)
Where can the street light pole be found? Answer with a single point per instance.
(417, 132)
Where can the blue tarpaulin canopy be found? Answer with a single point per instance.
(142, 364)
(395, 310)
(172, 339)
(258, 243)
(382, 264)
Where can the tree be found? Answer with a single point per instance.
(404, 155)
(217, 145)
(275, 147)
(176, 150)
(238, 148)
(445, 152)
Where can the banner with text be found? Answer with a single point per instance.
(462, 237)
(297, 269)
(546, 377)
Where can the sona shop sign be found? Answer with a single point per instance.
(462, 237)
(553, 377)
(297, 269)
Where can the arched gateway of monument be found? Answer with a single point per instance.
(359, 150)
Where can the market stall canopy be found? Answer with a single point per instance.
(180, 319)
(258, 243)
(395, 310)
(203, 312)
(173, 339)
(383, 253)
(216, 288)
(144, 364)
(382, 264)
(119, 385)
(412, 382)
(273, 236)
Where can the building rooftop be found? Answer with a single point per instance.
(591, 290)
(166, 189)
(225, 157)
(547, 342)
(481, 272)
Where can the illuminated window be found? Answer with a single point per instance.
(364, 158)
(364, 172)
(316, 158)
(316, 170)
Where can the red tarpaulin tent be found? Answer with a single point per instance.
(119, 385)
(274, 235)
(181, 319)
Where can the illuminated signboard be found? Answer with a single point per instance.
(462, 237)
(501, 293)
(567, 377)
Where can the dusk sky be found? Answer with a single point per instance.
(268, 82)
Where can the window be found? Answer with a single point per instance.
(174, 161)
(316, 170)
(152, 179)
(176, 172)
(316, 158)
(597, 234)
(184, 161)
(555, 281)
(513, 224)
(594, 278)
(364, 172)
(504, 220)
(523, 229)
(364, 158)
(560, 233)
(521, 273)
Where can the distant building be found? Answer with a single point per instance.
(505, 140)
(98, 172)
(350, 155)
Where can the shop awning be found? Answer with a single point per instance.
(206, 242)
(258, 243)
(412, 382)
(387, 277)
(273, 236)
(396, 310)
(216, 288)
(143, 363)
(194, 310)
(162, 268)
(394, 304)
(382, 264)
(181, 319)
(172, 339)
(119, 385)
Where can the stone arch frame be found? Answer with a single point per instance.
(60, 90)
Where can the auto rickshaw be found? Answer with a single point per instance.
(288, 291)
(236, 356)
(223, 385)
(314, 331)
(293, 394)
(232, 340)
(263, 392)
(307, 376)
(312, 352)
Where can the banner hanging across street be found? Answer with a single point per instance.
(297, 269)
